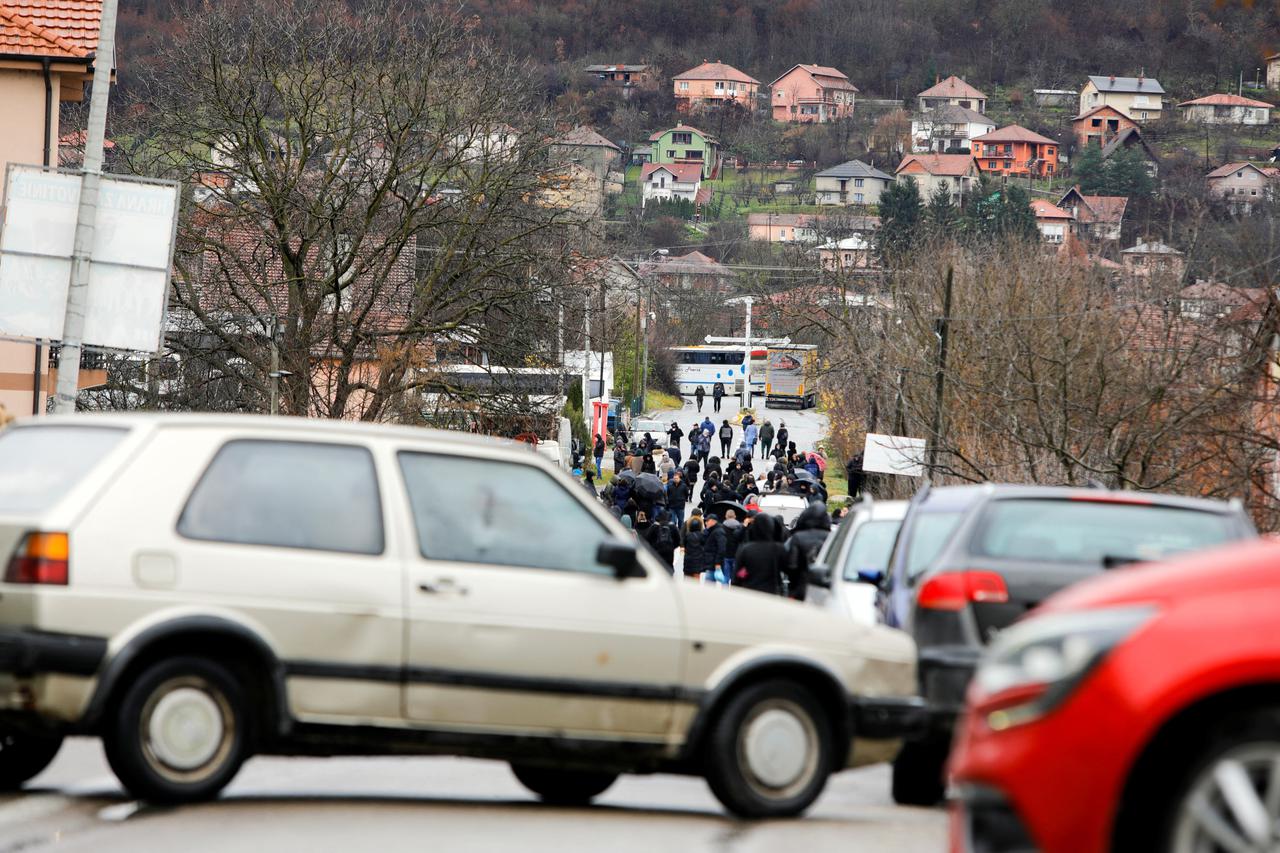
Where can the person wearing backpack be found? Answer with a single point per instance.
(663, 537)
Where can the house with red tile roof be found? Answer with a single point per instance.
(956, 172)
(1242, 185)
(1056, 225)
(1099, 217)
(667, 181)
(1016, 151)
(953, 91)
(1226, 109)
(714, 84)
(47, 48)
(812, 93)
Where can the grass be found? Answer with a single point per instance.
(659, 401)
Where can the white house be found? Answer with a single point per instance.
(853, 252)
(947, 127)
(1055, 224)
(665, 181)
(1226, 109)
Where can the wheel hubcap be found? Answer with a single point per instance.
(1234, 804)
(185, 728)
(776, 744)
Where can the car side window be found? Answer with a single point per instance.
(288, 494)
(470, 510)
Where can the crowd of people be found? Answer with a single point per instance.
(673, 492)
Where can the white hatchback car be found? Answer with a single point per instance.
(853, 561)
(195, 589)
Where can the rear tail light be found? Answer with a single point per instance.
(40, 558)
(956, 590)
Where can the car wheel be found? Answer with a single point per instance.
(23, 756)
(769, 752)
(1232, 798)
(563, 787)
(180, 732)
(917, 773)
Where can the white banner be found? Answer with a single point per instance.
(894, 454)
(129, 274)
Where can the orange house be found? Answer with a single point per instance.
(812, 93)
(1016, 151)
(714, 83)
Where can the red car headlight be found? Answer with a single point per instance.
(1034, 666)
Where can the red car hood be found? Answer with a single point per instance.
(1238, 567)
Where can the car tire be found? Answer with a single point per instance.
(563, 787)
(1231, 787)
(23, 756)
(180, 732)
(769, 751)
(918, 772)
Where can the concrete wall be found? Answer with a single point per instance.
(22, 141)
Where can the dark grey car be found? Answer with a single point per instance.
(970, 560)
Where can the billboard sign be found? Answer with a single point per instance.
(130, 261)
(894, 454)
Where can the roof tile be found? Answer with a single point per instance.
(54, 28)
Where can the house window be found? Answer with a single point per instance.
(1097, 122)
(857, 182)
(671, 155)
(684, 85)
(719, 85)
(1049, 169)
(991, 164)
(968, 105)
(1048, 152)
(780, 94)
(857, 198)
(1142, 114)
(693, 154)
(1008, 164)
(682, 139)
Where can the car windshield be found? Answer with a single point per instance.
(39, 465)
(929, 534)
(1096, 532)
(872, 544)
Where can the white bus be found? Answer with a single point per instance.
(707, 365)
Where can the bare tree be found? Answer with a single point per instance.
(367, 189)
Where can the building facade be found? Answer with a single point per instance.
(812, 93)
(956, 173)
(1016, 152)
(953, 91)
(714, 84)
(1140, 98)
(1100, 125)
(853, 182)
(948, 129)
(685, 144)
(663, 182)
(1226, 109)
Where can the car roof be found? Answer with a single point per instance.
(292, 425)
(963, 497)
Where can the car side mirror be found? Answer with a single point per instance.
(875, 577)
(623, 557)
(819, 575)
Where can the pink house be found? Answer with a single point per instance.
(812, 93)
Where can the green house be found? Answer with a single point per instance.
(685, 144)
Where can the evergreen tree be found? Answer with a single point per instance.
(901, 214)
(1017, 219)
(942, 214)
(1127, 175)
(982, 214)
(1089, 170)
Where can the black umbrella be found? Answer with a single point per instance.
(719, 508)
(626, 476)
(649, 487)
(804, 476)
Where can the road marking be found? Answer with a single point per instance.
(119, 812)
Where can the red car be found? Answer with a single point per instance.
(1136, 711)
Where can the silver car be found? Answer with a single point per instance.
(854, 560)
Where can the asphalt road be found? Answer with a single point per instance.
(391, 804)
(806, 427)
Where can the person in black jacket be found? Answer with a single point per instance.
(663, 536)
(676, 433)
(762, 559)
(695, 550)
(597, 451)
(691, 468)
(782, 436)
(717, 545)
(726, 437)
(677, 496)
(699, 394)
(813, 526)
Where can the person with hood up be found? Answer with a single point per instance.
(692, 435)
(750, 433)
(717, 544)
(782, 436)
(699, 394)
(675, 434)
(747, 488)
(695, 550)
(733, 476)
(813, 526)
(717, 394)
(667, 467)
(691, 470)
(713, 466)
(726, 437)
(589, 481)
(761, 559)
(619, 458)
(743, 456)
(621, 493)
(766, 439)
(674, 452)
(663, 536)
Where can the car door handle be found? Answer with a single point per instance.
(442, 586)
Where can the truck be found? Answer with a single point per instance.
(791, 377)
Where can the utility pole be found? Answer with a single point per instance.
(64, 401)
(942, 328)
(746, 370)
